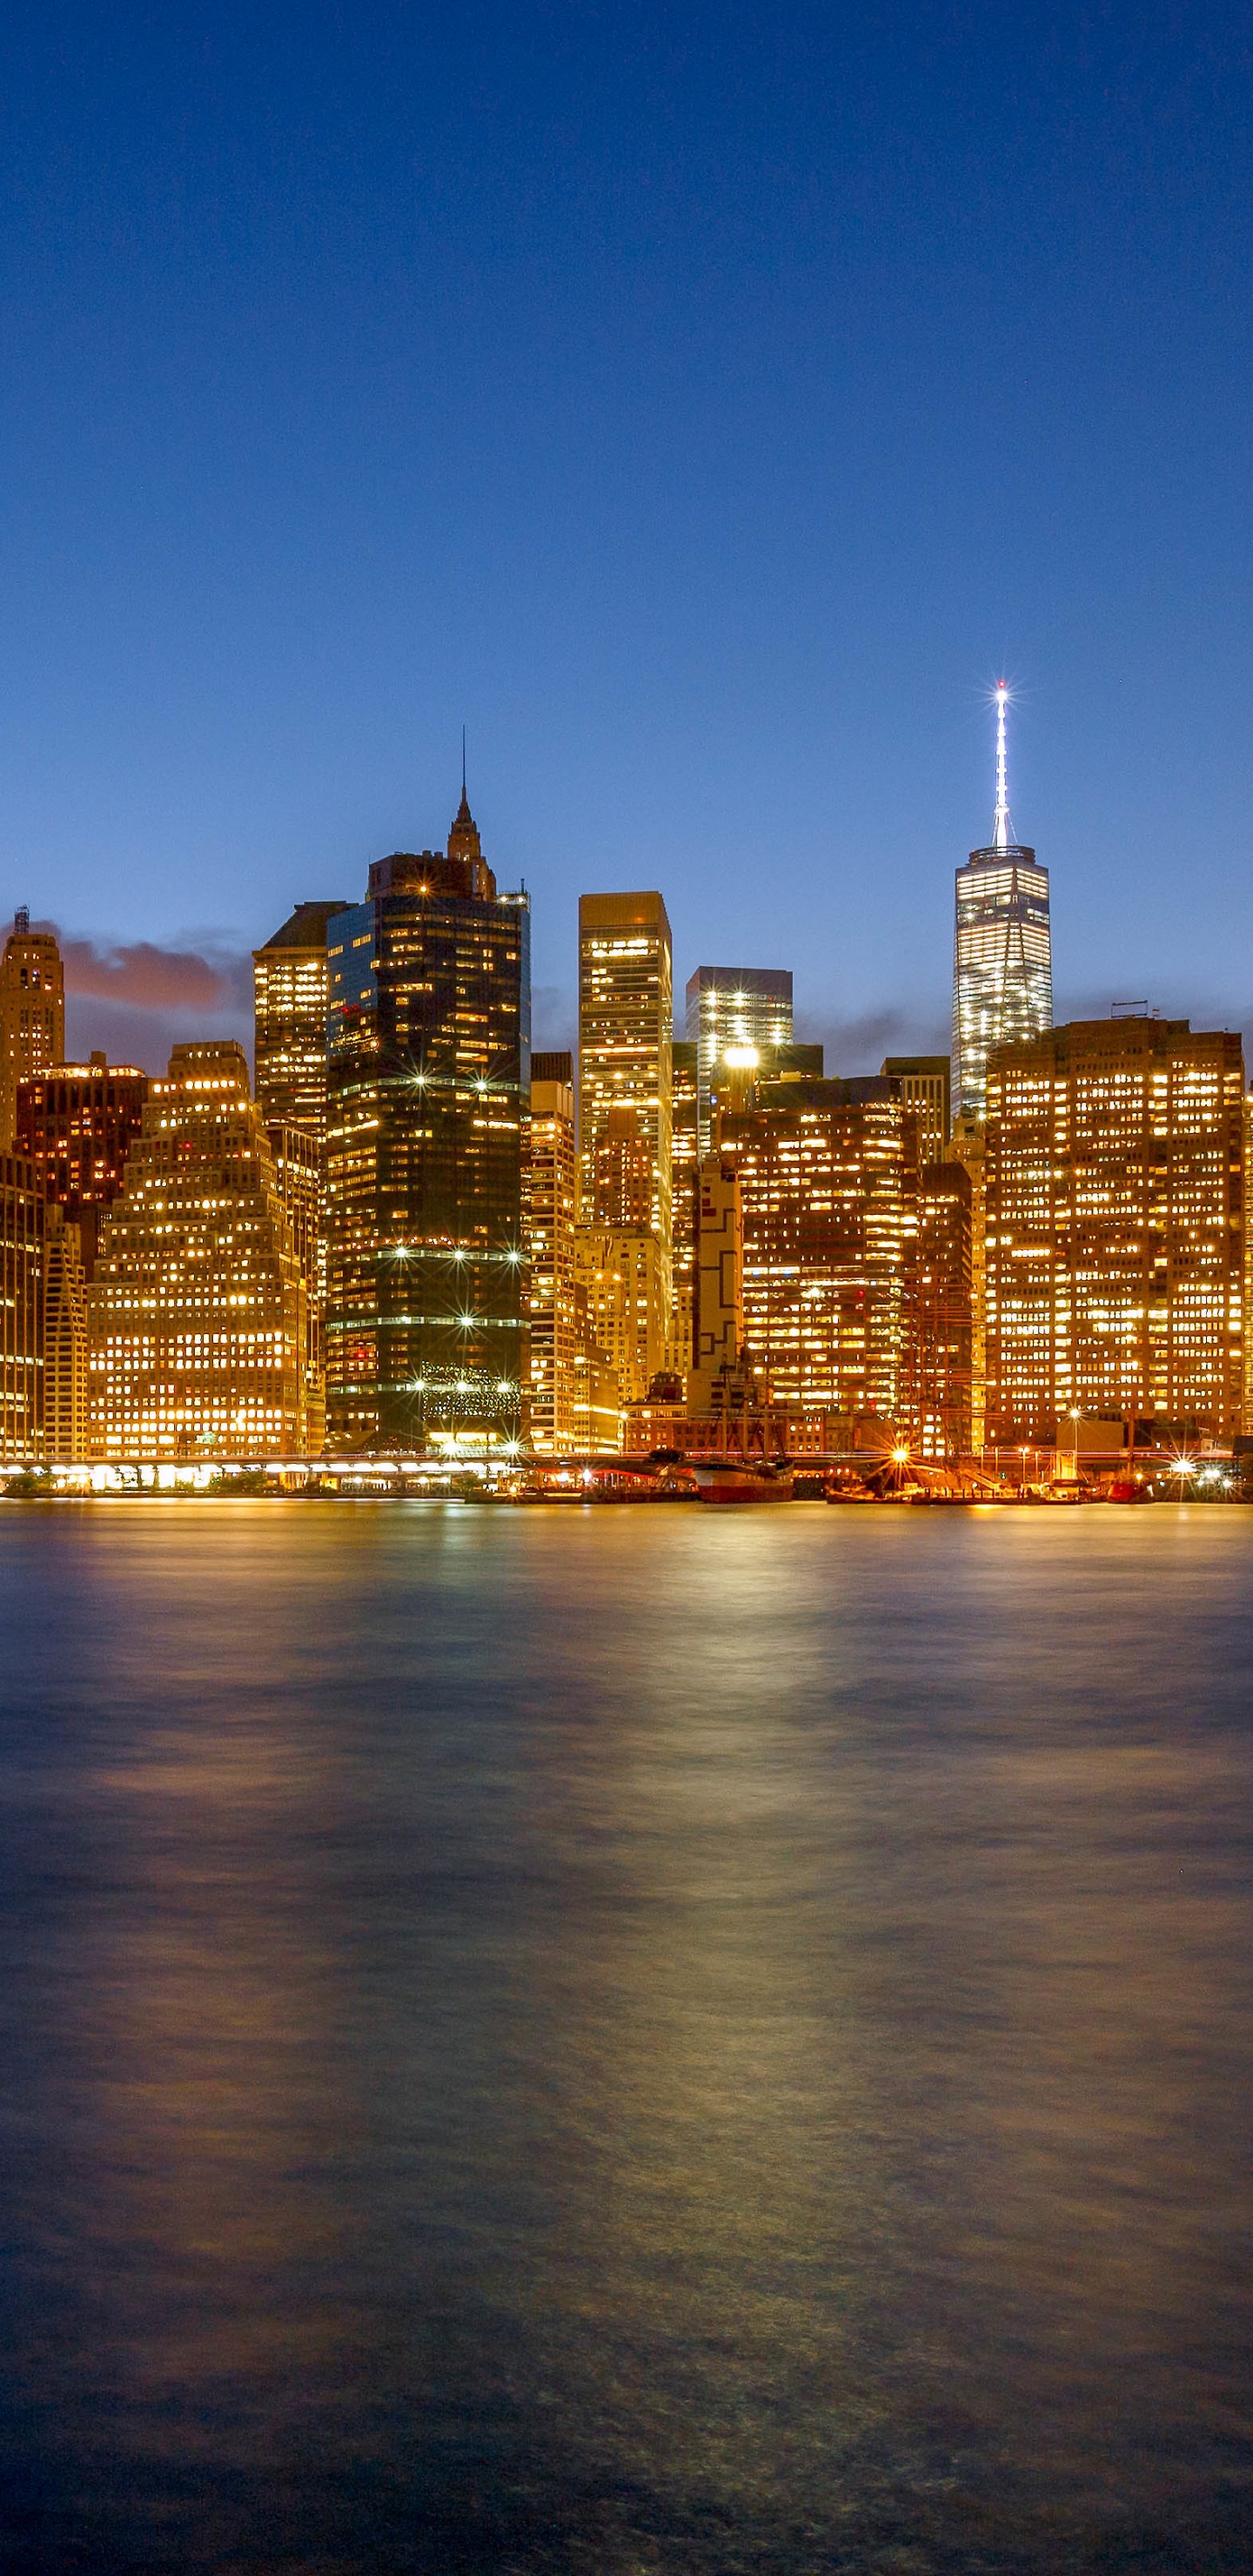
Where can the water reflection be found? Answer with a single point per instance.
(626, 2041)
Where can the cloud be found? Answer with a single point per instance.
(859, 1045)
(149, 978)
(136, 999)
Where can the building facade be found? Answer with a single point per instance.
(1002, 954)
(32, 1014)
(923, 1082)
(299, 1177)
(626, 1009)
(938, 1393)
(291, 997)
(827, 1172)
(197, 1312)
(21, 1311)
(65, 1370)
(77, 1122)
(625, 1304)
(734, 1006)
(684, 1184)
(1115, 1230)
(718, 1303)
(551, 1214)
(428, 1291)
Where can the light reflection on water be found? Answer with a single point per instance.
(638, 2040)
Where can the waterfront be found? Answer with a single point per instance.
(612, 2042)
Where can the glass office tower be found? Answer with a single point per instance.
(429, 1045)
(1002, 958)
(736, 1006)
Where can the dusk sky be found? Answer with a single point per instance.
(703, 407)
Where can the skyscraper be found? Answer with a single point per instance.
(551, 1209)
(1002, 958)
(626, 1005)
(21, 1309)
(827, 1173)
(938, 1383)
(684, 1186)
(32, 1013)
(291, 998)
(923, 1082)
(734, 1006)
(77, 1123)
(1115, 1229)
(65, 1373)
(428, 1292)
(196, 1314)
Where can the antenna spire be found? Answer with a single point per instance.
(463, 764)
(1002, 828)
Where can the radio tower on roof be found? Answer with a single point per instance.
(1002, 959)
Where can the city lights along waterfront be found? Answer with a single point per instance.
(625, 2041)
(411, 1255)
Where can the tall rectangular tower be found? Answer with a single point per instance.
(32, 1013)
(828, 1173)
(734, 1006)
(923, 1082)
(22, 1220)
(78, 1122)
(1002, 955)
(428, 1291)
(1115, 1229)
(626, 1011)
(291, 997)
(196, 1315)
(551, 1211)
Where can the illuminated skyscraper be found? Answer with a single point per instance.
(923, 1082)
(684, 1185)
(626, 1310)
(32, 1013)
(291, 999)
(21, 1309)
(738, 1007)
(827, 1175)
(1115, 1229)
(626, 1005)
(197, 1321)
(428, 1293)
(77, 1122)
(1002, 959)
(938, 1382)
(65, 1375)
(550, 1197)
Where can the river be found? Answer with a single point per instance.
(605, 2041)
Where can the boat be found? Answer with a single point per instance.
(741, 1480)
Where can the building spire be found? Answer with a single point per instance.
(463, 764)
(1002, 828)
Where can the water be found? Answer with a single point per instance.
(625, 2041)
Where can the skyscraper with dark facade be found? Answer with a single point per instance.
(77, 1122)
(428, 1084)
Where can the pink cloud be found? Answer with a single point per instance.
(150, 978)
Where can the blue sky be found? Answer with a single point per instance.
(700, 406)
